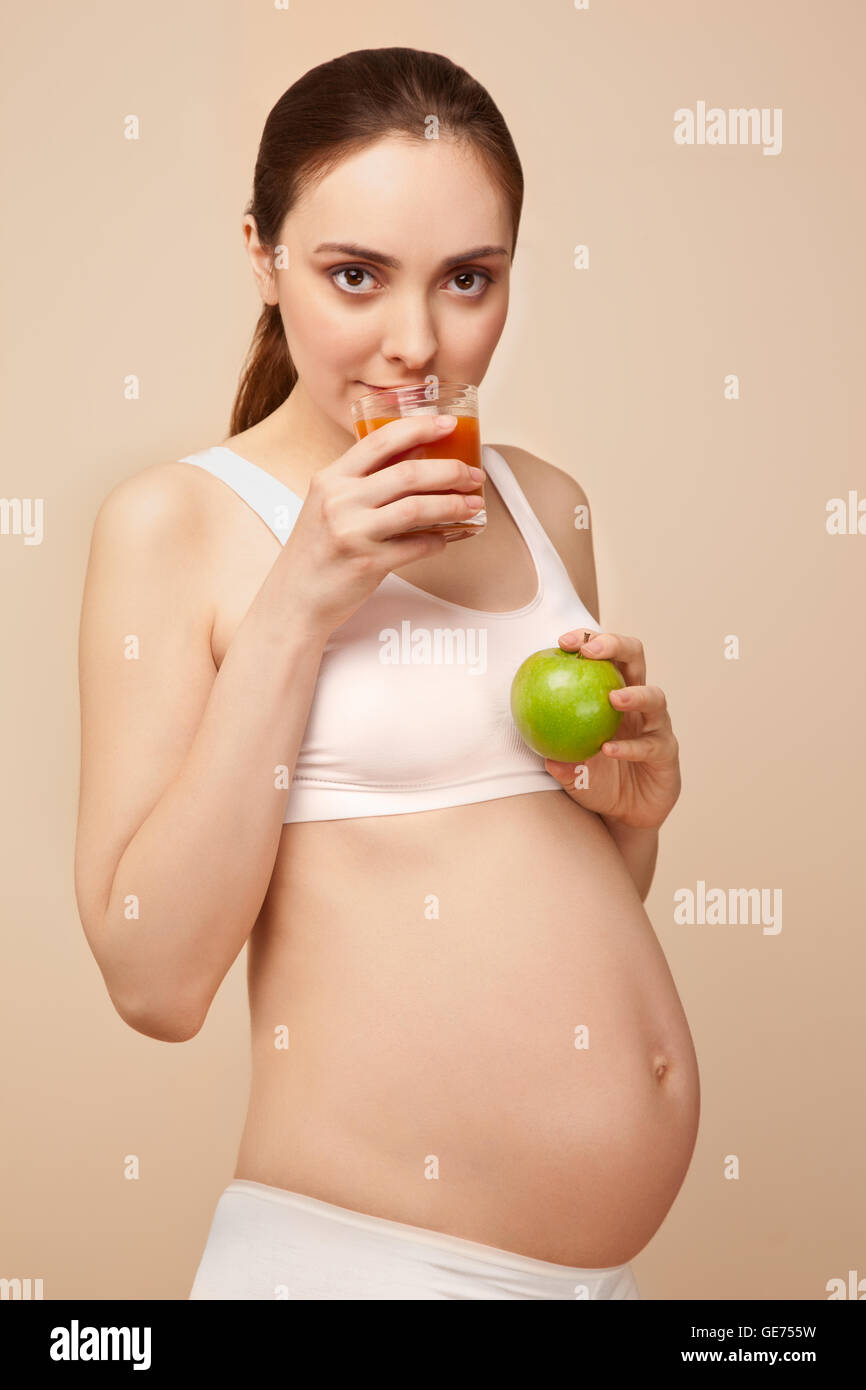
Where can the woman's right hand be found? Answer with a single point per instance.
(351, 530)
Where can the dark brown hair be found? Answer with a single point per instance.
(336, 109)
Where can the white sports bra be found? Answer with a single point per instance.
(411, 710)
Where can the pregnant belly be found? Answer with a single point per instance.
(484, 1036)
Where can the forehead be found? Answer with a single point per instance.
(400, 193)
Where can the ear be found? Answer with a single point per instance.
(261, 260)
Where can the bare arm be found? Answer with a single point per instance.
(639, 848)
(179, 812)
(181, 803)
(563, 508)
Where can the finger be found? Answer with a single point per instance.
(422, 475)
(646, 700)
(625, 652)
(645, 749)
(571, 640)
(395, 437)
(396, 519)
(563, 772)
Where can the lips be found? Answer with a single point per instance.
(395, 386)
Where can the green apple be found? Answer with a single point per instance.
(560, 704)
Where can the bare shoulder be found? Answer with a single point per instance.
(155, 538)
(541, 477)
(163, 500)
(562, 507)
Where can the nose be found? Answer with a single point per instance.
(409, 334)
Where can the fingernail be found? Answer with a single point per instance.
(445, 422)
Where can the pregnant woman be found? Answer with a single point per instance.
(472, 1076)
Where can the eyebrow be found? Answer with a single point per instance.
(364, 253)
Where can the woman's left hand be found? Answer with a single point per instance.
(636, 778)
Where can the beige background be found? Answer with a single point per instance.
(708, 515)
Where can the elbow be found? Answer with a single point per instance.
(160, 1013)
(173, 1025)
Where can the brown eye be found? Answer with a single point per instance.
(356, 271)
(465, 275)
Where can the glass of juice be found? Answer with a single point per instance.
(377, 408)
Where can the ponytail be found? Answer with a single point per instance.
(268, 374)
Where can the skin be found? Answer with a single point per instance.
(383, 327)
(459, 1048)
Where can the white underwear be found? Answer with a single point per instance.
(268, 1243)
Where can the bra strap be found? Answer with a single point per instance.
(266, 495)
(545, 553)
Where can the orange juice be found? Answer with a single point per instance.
(463, 442)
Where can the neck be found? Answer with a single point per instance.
(304, 432)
